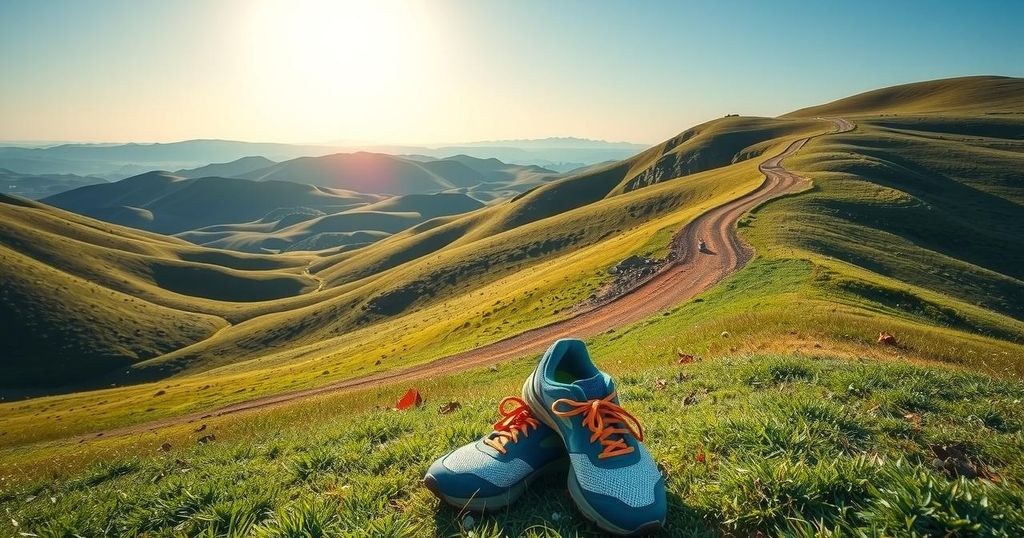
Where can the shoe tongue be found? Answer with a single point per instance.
(596, 387)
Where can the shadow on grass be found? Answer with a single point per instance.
(547, 510)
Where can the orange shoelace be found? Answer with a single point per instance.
(515, 420)
(602, 417)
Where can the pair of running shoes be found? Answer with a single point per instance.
(569, 415)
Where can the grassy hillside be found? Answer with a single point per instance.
(970, 96)
(794, 420)
(855, 255)
(421, 289)
(82, 298)
(711, 145)
(804, 443)
(933, 202)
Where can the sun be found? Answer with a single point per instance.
(321, 51)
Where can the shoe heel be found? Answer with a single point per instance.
(537, 406)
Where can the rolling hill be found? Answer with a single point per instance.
(250, 385)
(82, 298)
(909, 225)
(967, 96)
(350, 228)
(167, 203)
(250, 215)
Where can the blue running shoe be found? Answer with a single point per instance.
(612, 478)
(491, 473)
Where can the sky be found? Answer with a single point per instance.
(439, 72)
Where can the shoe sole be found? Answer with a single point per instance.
(496, 502)
(542, 412)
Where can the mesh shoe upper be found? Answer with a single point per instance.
(474, 459)
(610, 465)
(517, 448)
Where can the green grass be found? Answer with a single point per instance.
(807, 426)
(853, 243)
(793, 444)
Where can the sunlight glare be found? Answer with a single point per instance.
(312, 55)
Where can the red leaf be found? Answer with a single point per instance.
(412, 398)
(701, 458)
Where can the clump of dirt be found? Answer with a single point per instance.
(955, 460)
(629, 273)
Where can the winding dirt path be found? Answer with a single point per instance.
(690, 274)
(319, 281)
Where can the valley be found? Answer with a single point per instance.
(301, 298)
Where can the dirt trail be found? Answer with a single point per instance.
(690, 274)
(319, 281)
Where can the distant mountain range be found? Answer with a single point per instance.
(348, 198)
(388, 174)
(117, 161)
(229, 169)
(37, 186)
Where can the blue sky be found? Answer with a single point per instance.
(454, 71)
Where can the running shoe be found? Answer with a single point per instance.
(492, 472)
(612, 478)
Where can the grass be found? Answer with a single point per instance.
(791, 444)
(426, 314)
(401, 286)
(805, 425)
(295, 347)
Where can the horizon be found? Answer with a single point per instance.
(354, 146)
(303, 72)
(424, 267)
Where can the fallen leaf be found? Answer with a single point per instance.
(449, 407)
(660, 384)
(701, 458)
(886, 339)
(685, 358)
(411, 399)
